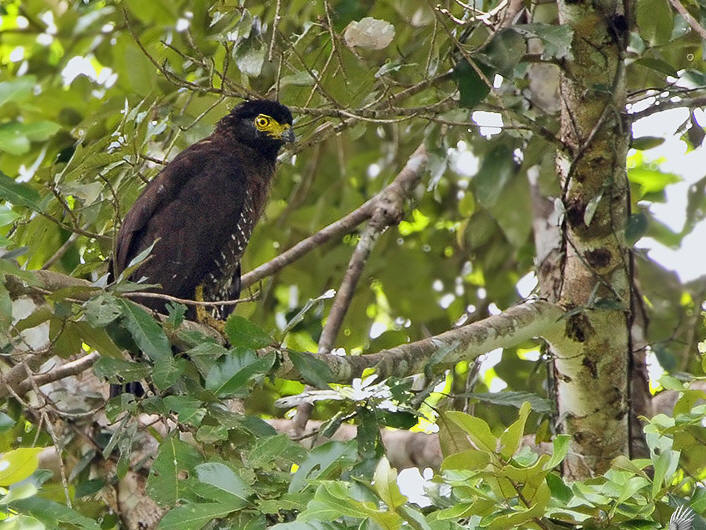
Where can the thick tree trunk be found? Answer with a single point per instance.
(591, 364)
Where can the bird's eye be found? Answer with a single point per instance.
(262, 121)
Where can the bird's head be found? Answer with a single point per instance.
(261, 124)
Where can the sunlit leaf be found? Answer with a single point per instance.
(654, 20)
(17, 465)
(369, 33)
(17, 90)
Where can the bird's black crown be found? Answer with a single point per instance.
(239, 124)
(250, 109)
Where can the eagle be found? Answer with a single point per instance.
(199, 212)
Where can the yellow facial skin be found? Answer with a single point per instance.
(274, 129)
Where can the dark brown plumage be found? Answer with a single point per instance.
(202, 207)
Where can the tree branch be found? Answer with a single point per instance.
(16, 378)
(387, 211)
(668, 105)
(335, 229)
(515, 325)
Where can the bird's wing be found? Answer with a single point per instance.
(160, 191)
(682, 518)
(192, 208)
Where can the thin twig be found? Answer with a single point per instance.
(386, 212)
(75, 229)
(334, 46)
(65, 370)
(315, 78)
(60, 251)
(186, 301)
(274, 31)
(667, 105)
(335, 229)
(698, 28)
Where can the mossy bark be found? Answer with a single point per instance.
(591, 364)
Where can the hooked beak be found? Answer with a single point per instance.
(287, 135)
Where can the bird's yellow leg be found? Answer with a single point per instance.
(203, 315)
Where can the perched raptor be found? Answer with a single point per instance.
(202, 207)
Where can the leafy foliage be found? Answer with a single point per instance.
(96, 96)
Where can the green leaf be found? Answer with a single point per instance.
(514, 399)
(560, 450)
(145, 331)
(101, 310)
(496, 171)
(136, 262)
(297, 79)
(18, 90)
(513, 221)
(7, 215)
(193, 516)
(18, 193)
(635, 228)
(17, 465)
(18, 492)
(8, 266)
(512, 435)
(385, 483)
(651, 180)
(224, 479)
(166, 371)
(658, 65)
(505, 50)
(40, 130)
(250, 56)
(470, 460)
(476, 429)
(233, 372)
(644, 143)
(334, 499)
(312, 302)
(98, 339)
(313, 370)
(556, 38)
(12, 140)
(243, 333)
(165, 484)
(559, 490)
(654, 21)
(176, 314)
(110, 369)
(52, 514)
(89, 487)
(6, 422)
(15, 137)
(321, 462)
(665, 465)
(270, 450)
(472, 88)
(518, 519)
